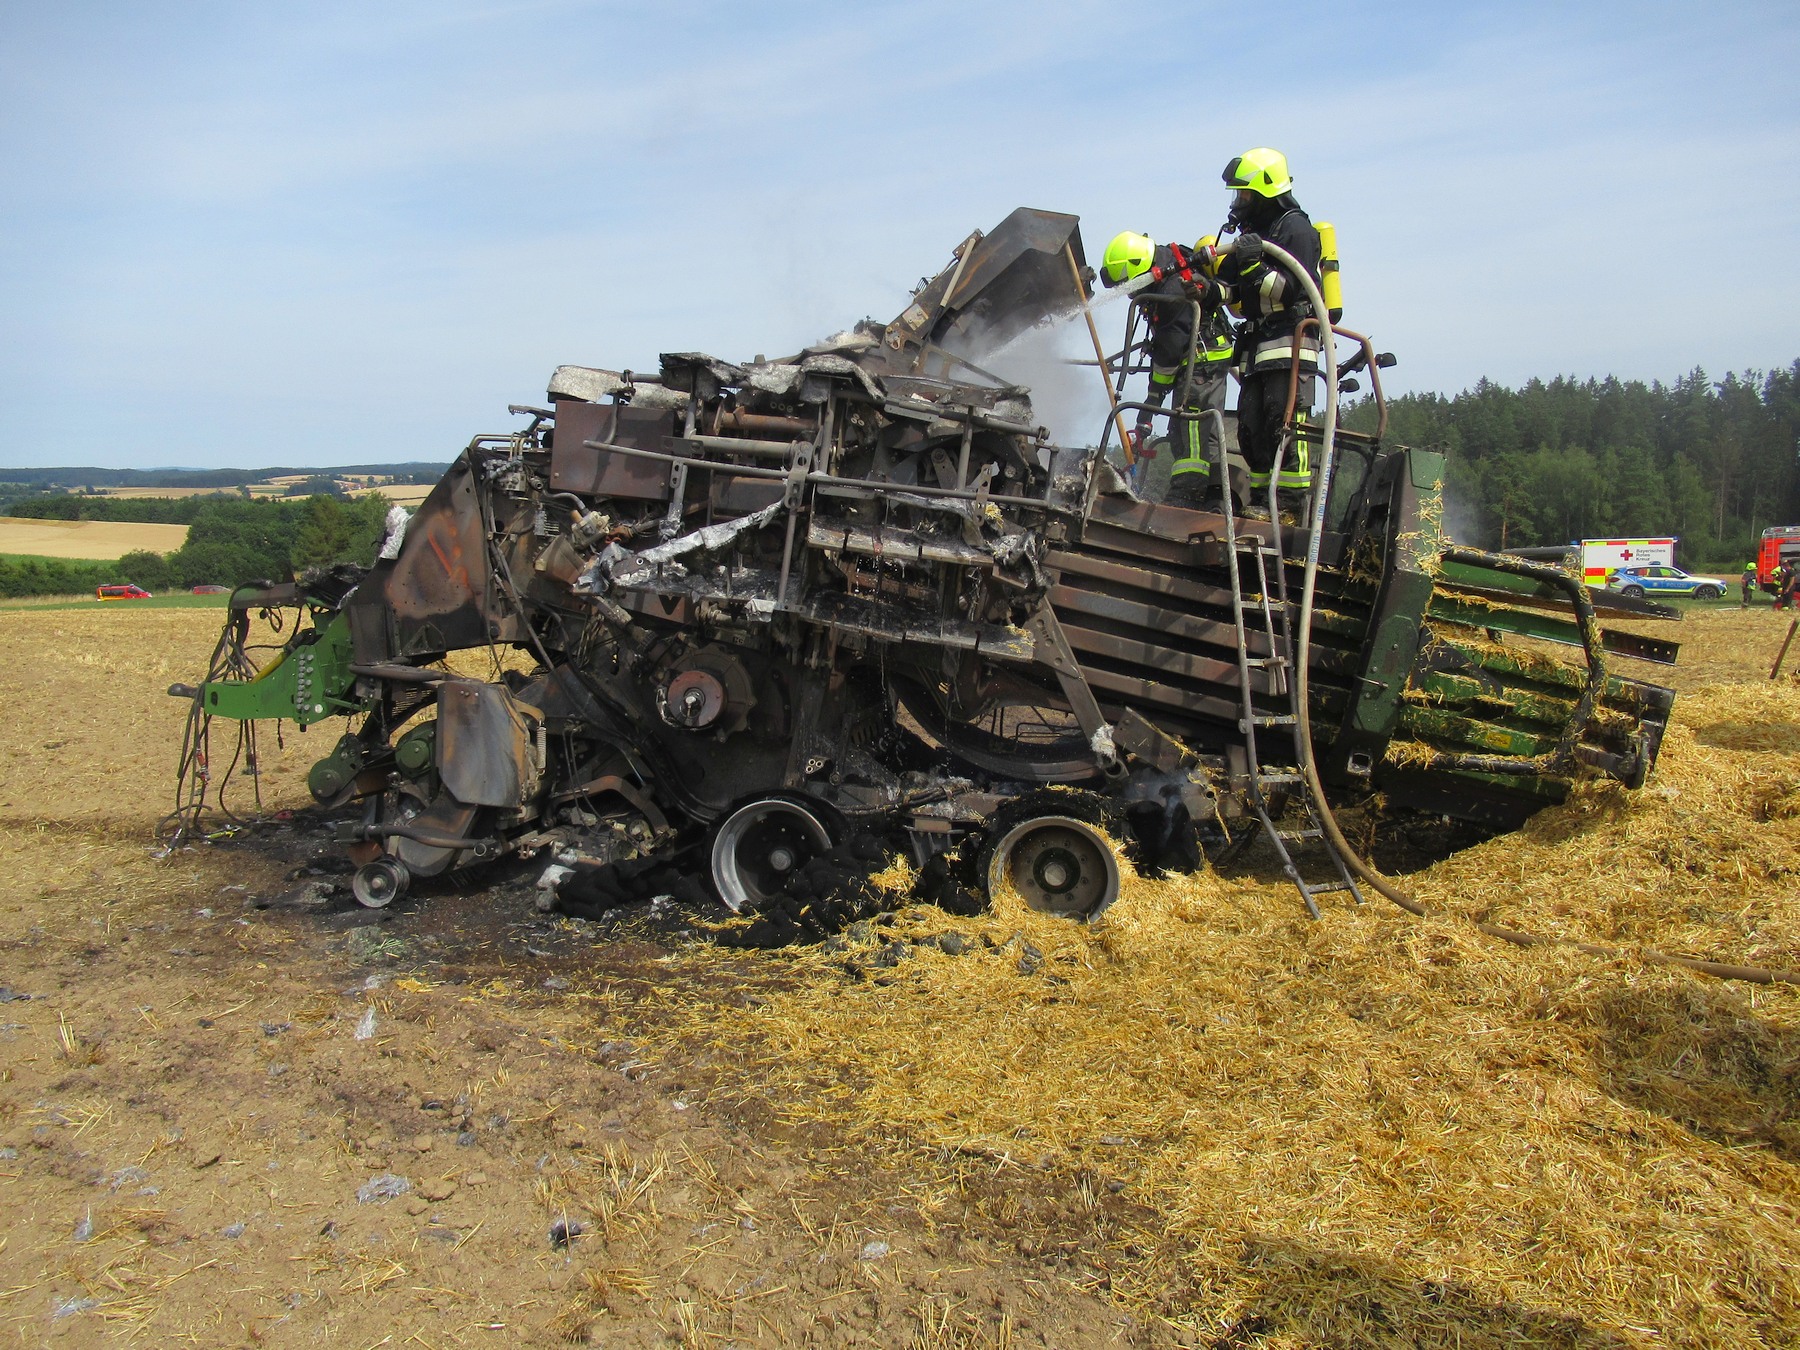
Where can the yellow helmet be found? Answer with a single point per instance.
(1204, 248)
(1262, 171)
(1127, 258)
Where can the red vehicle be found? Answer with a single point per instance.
(1780, 544)
(211, 590)
(121, 593)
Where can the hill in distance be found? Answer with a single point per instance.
(75, 477)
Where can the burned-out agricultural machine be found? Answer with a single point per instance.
(857, 591)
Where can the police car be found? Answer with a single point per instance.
(1664, 580)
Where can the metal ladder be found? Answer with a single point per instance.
(1250, 552)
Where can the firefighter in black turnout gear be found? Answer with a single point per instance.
(1176, 279)
(1273, 304)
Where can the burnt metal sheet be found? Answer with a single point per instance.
(439, 591)
(1175, 523)
(1137, 735)
(578, 467)
(998, 285)
(483, 751)
(1137, 690)
(888, 623)
(732, 496)
(1180, 588)
(1168, 661)
(895, 545)
(1175, 622)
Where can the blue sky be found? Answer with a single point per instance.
(318, 233)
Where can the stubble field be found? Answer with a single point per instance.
(1204, 1122)
(100, 540)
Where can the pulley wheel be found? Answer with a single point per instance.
(1058, 865)
(694, 699)
(378, 884)
(760, 846)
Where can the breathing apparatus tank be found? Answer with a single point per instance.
(1331, 285)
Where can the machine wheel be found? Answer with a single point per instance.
(378, 884)
(763, 843)
(1635, 592)
(1058, 864)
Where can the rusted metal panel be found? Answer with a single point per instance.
(741, 496)
(1185, 589)
(1134, 689)
(894, 544)
(577, 467)
(1174, 524)
(1175, 622)
(1166, 660)
(439, 590)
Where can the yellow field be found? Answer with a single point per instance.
(139, 493)
(400, 494)
(103, 540)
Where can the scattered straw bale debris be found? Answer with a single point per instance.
(1375, 1129)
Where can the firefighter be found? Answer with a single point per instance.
(1748, 582)
(1273, 303)
(1177, 278)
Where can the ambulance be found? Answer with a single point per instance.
(1600, 558)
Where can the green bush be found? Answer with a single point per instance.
(22, 576)
(143, 568)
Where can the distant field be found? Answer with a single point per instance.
(172, 600)
(101, 540)
(135, 493)
(400, 494)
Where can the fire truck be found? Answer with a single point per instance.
(1780, 544)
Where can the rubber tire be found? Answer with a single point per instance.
(1707, 593)
(1632, 592)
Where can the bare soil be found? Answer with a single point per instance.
(202, 1062)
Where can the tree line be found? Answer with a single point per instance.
(138, 510)
(229, 541)
(1712, 462)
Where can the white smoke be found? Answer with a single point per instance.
(1067, 398)
(1462, 524)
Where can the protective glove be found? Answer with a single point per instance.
(1249, 253)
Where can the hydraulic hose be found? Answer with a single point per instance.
(1303, 711)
